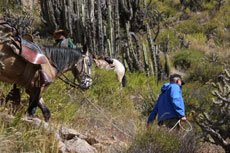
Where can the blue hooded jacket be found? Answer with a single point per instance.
(170, 103)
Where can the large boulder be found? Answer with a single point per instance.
(77, 145)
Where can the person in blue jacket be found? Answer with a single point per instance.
(170, 104)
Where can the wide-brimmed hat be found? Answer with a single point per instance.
(176, 76)
(28, 37)
(63, 32)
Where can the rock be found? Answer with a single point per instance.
(70, 140)
(68, 134)
(100, 147)
(62, 147)
(91, 140)
(77, 145)
(117, 147)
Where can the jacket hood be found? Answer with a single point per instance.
(165, 87)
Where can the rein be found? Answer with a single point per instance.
(178, 122)
(83, 67)
(186, 130)
(69, 81)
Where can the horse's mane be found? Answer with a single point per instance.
(61, 58)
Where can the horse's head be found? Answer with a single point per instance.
(83, 71)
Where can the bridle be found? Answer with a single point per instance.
(71, 82)
(84, 67)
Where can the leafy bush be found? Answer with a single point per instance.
(189, 27)
(197, 38)
(196, 94)
(168, 8)
(22, 137)
(204, 72)
(144, 91)
(187, 57)
(106, 90)
(219, 24)
(154, 140)
(162, 39)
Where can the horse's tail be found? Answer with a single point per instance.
(124, 81)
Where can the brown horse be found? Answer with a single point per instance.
(19, 71)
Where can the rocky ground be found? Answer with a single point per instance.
(72, 141)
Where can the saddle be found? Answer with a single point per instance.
(30, 51)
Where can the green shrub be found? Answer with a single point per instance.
(59, 98)
(174, 42)
(218, 24)
(211, 26)
(187, 57)
(195, 94)
(169, 8)
(189, 27)
(197, 38)
(106, 89)
(208, 5)
(203, 72)
(154, 140)
(144, 90)
(22, 137)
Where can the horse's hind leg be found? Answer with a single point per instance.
(14, 95)
(2, 99)
(45, 110)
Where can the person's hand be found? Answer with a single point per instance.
(111, 65)
(183, 119)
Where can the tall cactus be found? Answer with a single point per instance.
(128, 59)
(146, 61)
(109, 52)
(152, 50)
(111, 31)
(167, 65)
(99, 24)
(100, 35)
(131, 49)
(158, 67)
(117, 29)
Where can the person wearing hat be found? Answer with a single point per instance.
(28, 37)
(61, 39)
(170, 104)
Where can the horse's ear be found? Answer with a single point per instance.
(94, 56)
(84, 48)
(87, 53)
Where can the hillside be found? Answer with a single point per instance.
(187, 37)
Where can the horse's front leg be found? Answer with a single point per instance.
(44, 109)
(34, 100)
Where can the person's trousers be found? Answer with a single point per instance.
(169, 123)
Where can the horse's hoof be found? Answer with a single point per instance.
(47, 118)
(32, 117)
